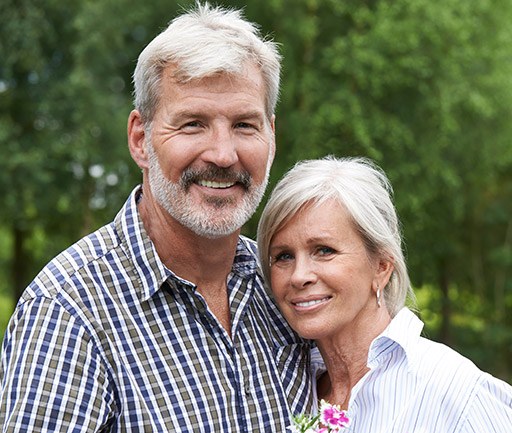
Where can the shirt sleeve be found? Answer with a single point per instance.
(491, 408)
(52, 377)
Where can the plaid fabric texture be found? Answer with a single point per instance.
(107, 339)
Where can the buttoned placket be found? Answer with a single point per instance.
(198, 307)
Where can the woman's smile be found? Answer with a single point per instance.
(312, 304)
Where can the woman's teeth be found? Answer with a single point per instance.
(310, 303)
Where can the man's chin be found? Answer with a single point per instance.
(214, 224)
(215, 232)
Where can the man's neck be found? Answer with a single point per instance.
(204, 262)
(200, 260)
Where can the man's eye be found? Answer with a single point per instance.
(192, 124)
(244, 125)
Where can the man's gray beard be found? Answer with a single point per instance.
(208, 219)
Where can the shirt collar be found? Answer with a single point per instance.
(138, 246)
(403, 332)
(152, 273)
(245, 262)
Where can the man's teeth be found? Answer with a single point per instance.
(213, 184)
(310, 303)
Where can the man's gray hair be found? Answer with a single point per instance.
(200, 43)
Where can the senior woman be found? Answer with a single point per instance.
(330, 248)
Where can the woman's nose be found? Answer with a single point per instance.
(303, 274)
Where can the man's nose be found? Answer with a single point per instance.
(222, 148)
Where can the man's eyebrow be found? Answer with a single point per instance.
(187, 114)
(252, 114)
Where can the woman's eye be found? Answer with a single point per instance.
(281, 258)
(324, 251)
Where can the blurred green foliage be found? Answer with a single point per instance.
(421, 86)
(6, 307)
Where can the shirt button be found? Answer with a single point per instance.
(247, 388)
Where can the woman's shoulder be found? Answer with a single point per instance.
(454, 378)
(461, 386)
(439, 359)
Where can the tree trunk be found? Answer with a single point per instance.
(19, 266)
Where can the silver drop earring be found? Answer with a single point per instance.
(378, 296)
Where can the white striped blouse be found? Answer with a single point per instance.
(417, 385)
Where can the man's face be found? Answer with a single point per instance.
(210, 150)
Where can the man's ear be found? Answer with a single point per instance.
(137, 139)
(273, 128)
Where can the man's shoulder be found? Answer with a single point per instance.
(246, 258)
(248, 244)
(63, 270)
(99, 252)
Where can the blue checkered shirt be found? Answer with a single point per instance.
(107, 339)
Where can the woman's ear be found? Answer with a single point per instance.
(385, 268)
(137, 139)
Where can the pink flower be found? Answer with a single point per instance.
(332, 415)
(330, 418)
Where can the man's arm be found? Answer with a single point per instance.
(52, 377)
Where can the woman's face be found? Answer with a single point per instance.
(321, 274)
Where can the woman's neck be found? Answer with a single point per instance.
(344, 370)
(346, 358)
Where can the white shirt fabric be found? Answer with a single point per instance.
(416, 385)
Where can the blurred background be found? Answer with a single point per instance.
(423, 87)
